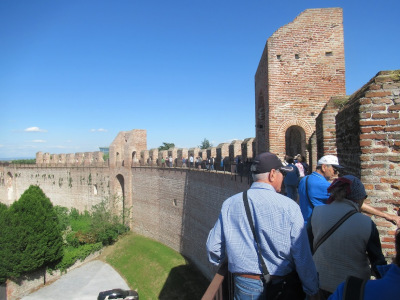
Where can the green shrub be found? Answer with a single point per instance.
(81, 222)
(63, 216)
(72, 240)
(106, 225)
(72, 255)
(74, 214)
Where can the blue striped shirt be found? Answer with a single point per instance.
(281, 232)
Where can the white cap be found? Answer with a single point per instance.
(329, 160)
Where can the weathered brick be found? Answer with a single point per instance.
(394, 122)
(394, 108)
(372, 136)
(388, 239)
(373, 122)
(385, 116)
(369, 186)
(365, 143)
(377, 94)
(392, 128)
(389, 180)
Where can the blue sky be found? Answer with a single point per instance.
(75, 73)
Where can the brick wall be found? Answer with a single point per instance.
(179, 207)
(368, 144)
(325, 127)
(301, 67)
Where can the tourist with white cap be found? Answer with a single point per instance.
(313, 190)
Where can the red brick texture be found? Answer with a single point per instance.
(302, 66)
(368, 143)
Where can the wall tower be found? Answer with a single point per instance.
(301, 68)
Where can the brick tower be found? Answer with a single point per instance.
(301, 67)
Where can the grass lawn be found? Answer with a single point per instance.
(155, 270)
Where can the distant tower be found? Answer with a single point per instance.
(301, 67)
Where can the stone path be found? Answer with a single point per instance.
(83, 283)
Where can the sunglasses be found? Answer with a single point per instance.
(335, 170)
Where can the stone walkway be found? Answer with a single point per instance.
(83, 283)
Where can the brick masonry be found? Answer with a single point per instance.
(301, 67)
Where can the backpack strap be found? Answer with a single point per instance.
(266, 278)
(333, 228)
(354, 288)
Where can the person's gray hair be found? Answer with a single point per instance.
(260, 176)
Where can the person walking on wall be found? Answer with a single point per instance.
(170, 161)
(313, 189)
(300, 166)
(212, 160)
(282, 251)
(191, 160)
(162, 162)
(306, 167)
(291, 180)
(353, 245)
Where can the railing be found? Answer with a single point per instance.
(221, 287)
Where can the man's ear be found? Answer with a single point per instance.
(272, 175)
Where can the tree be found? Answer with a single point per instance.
(166, 146)
(36, 234)
(6, 249)
(24, 161)
(205, 144)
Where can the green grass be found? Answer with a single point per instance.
(155, 270)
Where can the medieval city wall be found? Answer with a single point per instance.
(175, 206)
(71, 186)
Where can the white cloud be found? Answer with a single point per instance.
(99, 130)
(39, 141)
(34, 129)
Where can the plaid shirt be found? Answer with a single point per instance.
(281, 233)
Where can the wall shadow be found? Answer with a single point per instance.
(184, 282)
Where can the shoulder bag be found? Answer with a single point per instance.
(287, 288)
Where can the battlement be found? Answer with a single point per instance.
(84, 159)
(121, 150)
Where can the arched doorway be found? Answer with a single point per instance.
(10, 188)
(120, 196)
(295, 141)
(134, 158)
